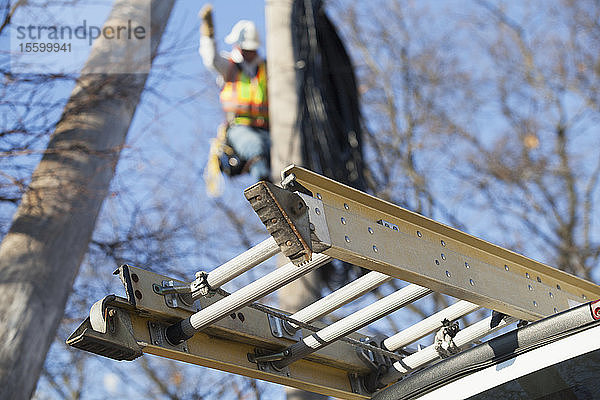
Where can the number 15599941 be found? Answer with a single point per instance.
(45, 47)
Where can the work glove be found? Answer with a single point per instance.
(207, 28)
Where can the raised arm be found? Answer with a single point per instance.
(208, 47)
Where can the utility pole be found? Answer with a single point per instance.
(285, 142)
(50, 232)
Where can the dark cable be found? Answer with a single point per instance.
(329, 119)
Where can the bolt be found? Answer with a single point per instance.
(287, 353)
(311, 226)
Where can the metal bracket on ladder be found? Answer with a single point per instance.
(283, 329)
(285, 216)
(377, 362)
(158, 337)
(107, 331)
(357, 384)
(175, 296)
(264, 361)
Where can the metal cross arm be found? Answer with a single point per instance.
(353, 226)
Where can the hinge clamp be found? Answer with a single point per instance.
(176, 296)
(377, 362)
(264, 361)
(283, 329)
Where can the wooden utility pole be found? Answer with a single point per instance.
(285, 141)
(283, 99)
(49, 235)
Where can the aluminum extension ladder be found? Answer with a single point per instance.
(311, 220)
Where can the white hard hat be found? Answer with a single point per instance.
(244, 35)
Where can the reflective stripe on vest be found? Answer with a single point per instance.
(246, 98)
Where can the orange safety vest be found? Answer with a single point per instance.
(244, 98)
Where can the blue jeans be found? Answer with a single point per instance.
(252, 144)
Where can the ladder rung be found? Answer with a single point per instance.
(254, 291)
(242, 263)
(353, 322)
(342, 296)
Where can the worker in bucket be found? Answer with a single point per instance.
(243, 144)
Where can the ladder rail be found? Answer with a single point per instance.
(363, 230)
